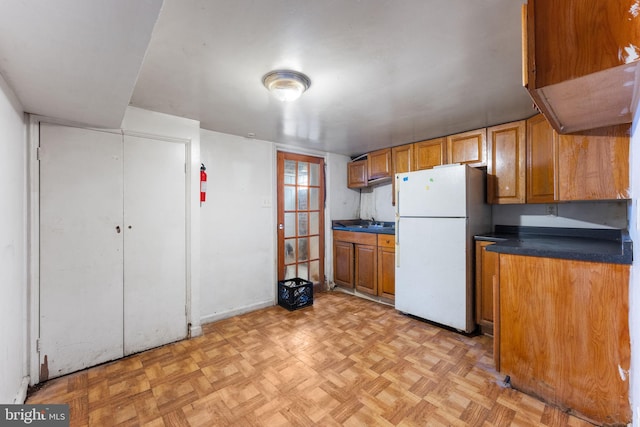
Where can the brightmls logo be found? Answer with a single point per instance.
(34, 415)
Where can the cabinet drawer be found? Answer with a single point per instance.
(355, 237)
(386, 240)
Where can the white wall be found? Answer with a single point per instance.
(342, 203)
(238, 226)
(634, 285)
(13, 238)
(150, 122)
(376, 203)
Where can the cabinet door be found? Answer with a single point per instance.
(506, 176)
(486, 270)
(468, 148)
(154, 245)
(343, 263)
(357, 174)
(402, 158)
(81, 235)
(386, 271)
(366, 269)
(379, 164)
(594, 165)
(574, 38)
(564, 329)
(541, 161)
(427, 154)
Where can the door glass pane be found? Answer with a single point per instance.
(289, 251)
(303, 249)
(314, 225)
(314, 247)
(290, 224)
(289, 198)
(303, 199)
(303, 173)
(303, 224)
(290, 272)
(303, 270)
(289, 172)
(314, 198)
(314, 274)
(314, 177)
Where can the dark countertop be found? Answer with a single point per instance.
(364, 226)
(582, 244)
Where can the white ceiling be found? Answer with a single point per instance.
(383, 72)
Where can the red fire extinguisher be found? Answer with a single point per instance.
(203, 183)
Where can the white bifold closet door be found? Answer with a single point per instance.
(112, 246)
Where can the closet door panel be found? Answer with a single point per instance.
(81, 314)
(154, 243)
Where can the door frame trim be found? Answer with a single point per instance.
(32, 325)
(325, 211)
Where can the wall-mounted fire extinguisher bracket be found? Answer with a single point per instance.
(203, 183)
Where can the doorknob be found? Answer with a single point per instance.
(280, 227)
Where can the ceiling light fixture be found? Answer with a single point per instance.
(286, 85)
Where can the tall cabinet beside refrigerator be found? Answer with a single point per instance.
(438, 211)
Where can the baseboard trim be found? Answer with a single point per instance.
(230, 313)
(195, 331)
(21, 396)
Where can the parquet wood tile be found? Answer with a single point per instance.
(345, 361)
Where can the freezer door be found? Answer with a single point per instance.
(432, 277)
(439, 192)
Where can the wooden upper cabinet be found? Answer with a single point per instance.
(580, 59)
(594, 165)
(506, 163)
(427, 154)
(468, 148)
(541, 161)
(379, 164)
(357, 174)
(402, 157)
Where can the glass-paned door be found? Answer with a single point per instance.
(300, 217)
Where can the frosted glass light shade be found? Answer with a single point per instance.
(286, 85)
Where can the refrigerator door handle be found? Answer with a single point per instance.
(397, 240)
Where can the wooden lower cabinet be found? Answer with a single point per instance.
(343, 263)
(486, 273)
(366, 268)
(386, 266)
(564, 333)
(364, 262)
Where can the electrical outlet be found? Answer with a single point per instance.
(551, 210)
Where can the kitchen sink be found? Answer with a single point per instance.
(385, 227)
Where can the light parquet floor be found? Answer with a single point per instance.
(345, 361)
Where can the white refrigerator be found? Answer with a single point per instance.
(438, 211)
